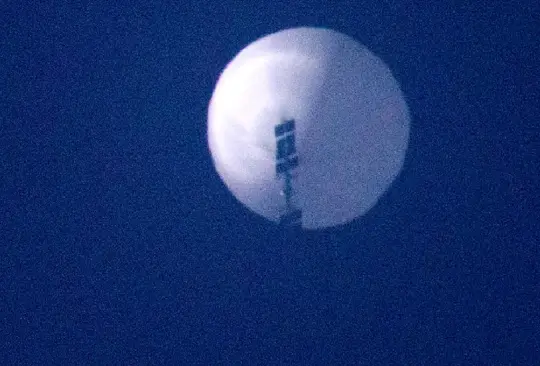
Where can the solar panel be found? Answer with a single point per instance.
(287, 165)
(285, 147)
(285, 127)
(287, 160)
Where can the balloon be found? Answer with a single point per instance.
(351, 125)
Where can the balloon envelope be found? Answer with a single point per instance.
(352, 125)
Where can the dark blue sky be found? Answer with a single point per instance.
(121, 245)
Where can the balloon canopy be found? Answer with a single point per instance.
(351, 125)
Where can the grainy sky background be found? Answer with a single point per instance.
(120, 244)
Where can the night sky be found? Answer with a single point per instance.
(120, 245)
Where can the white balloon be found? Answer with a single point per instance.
(352, 125)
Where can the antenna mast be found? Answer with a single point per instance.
(286, 161)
